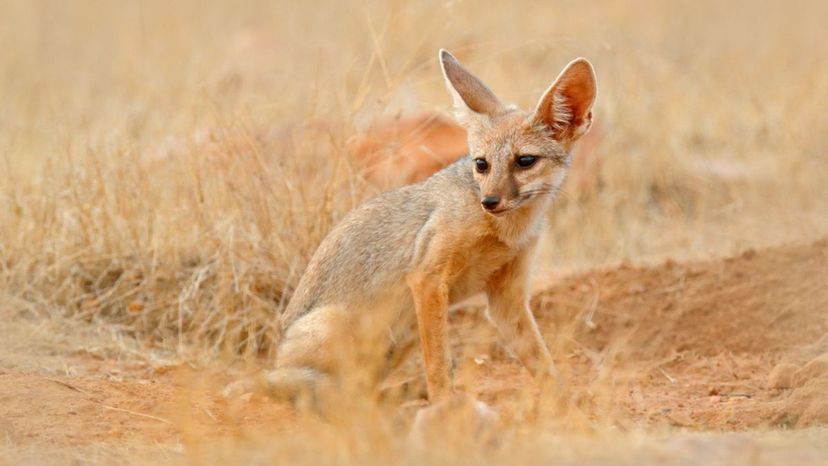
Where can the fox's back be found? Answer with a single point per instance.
(367, 255)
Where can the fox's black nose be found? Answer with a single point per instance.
(490, 202)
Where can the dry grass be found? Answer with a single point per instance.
(169, 168)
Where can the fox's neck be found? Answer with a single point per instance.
(518, 227)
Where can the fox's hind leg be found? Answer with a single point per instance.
(309, 355)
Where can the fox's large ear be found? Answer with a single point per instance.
(566, 107)
(470, 94)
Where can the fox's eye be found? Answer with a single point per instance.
(526, 161)
(481, 165)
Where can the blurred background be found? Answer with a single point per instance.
(150, 147)
(168, 168)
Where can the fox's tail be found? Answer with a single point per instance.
(298, 385)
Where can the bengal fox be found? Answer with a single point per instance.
(397, 262)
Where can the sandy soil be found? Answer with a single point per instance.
(733, 344)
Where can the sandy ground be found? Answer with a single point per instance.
(737, 344)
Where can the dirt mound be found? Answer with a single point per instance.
(696, 344)
(757, 303)
(719, 345)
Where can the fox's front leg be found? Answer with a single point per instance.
(431, 296)
(507, 293)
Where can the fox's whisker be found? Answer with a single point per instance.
(537, 192)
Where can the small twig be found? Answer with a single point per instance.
(593, 306)
(672, 380)
(69, 386)
(148, 416)
(210, 414)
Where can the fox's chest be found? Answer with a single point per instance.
(479, 265)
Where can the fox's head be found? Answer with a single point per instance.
(519, 157)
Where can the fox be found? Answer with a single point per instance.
(382, 281)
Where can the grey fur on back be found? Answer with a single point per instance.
(371, 249)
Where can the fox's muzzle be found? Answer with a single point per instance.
(490, 202)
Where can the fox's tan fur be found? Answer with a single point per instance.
(398, 261)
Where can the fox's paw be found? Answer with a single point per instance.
(459, 413)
